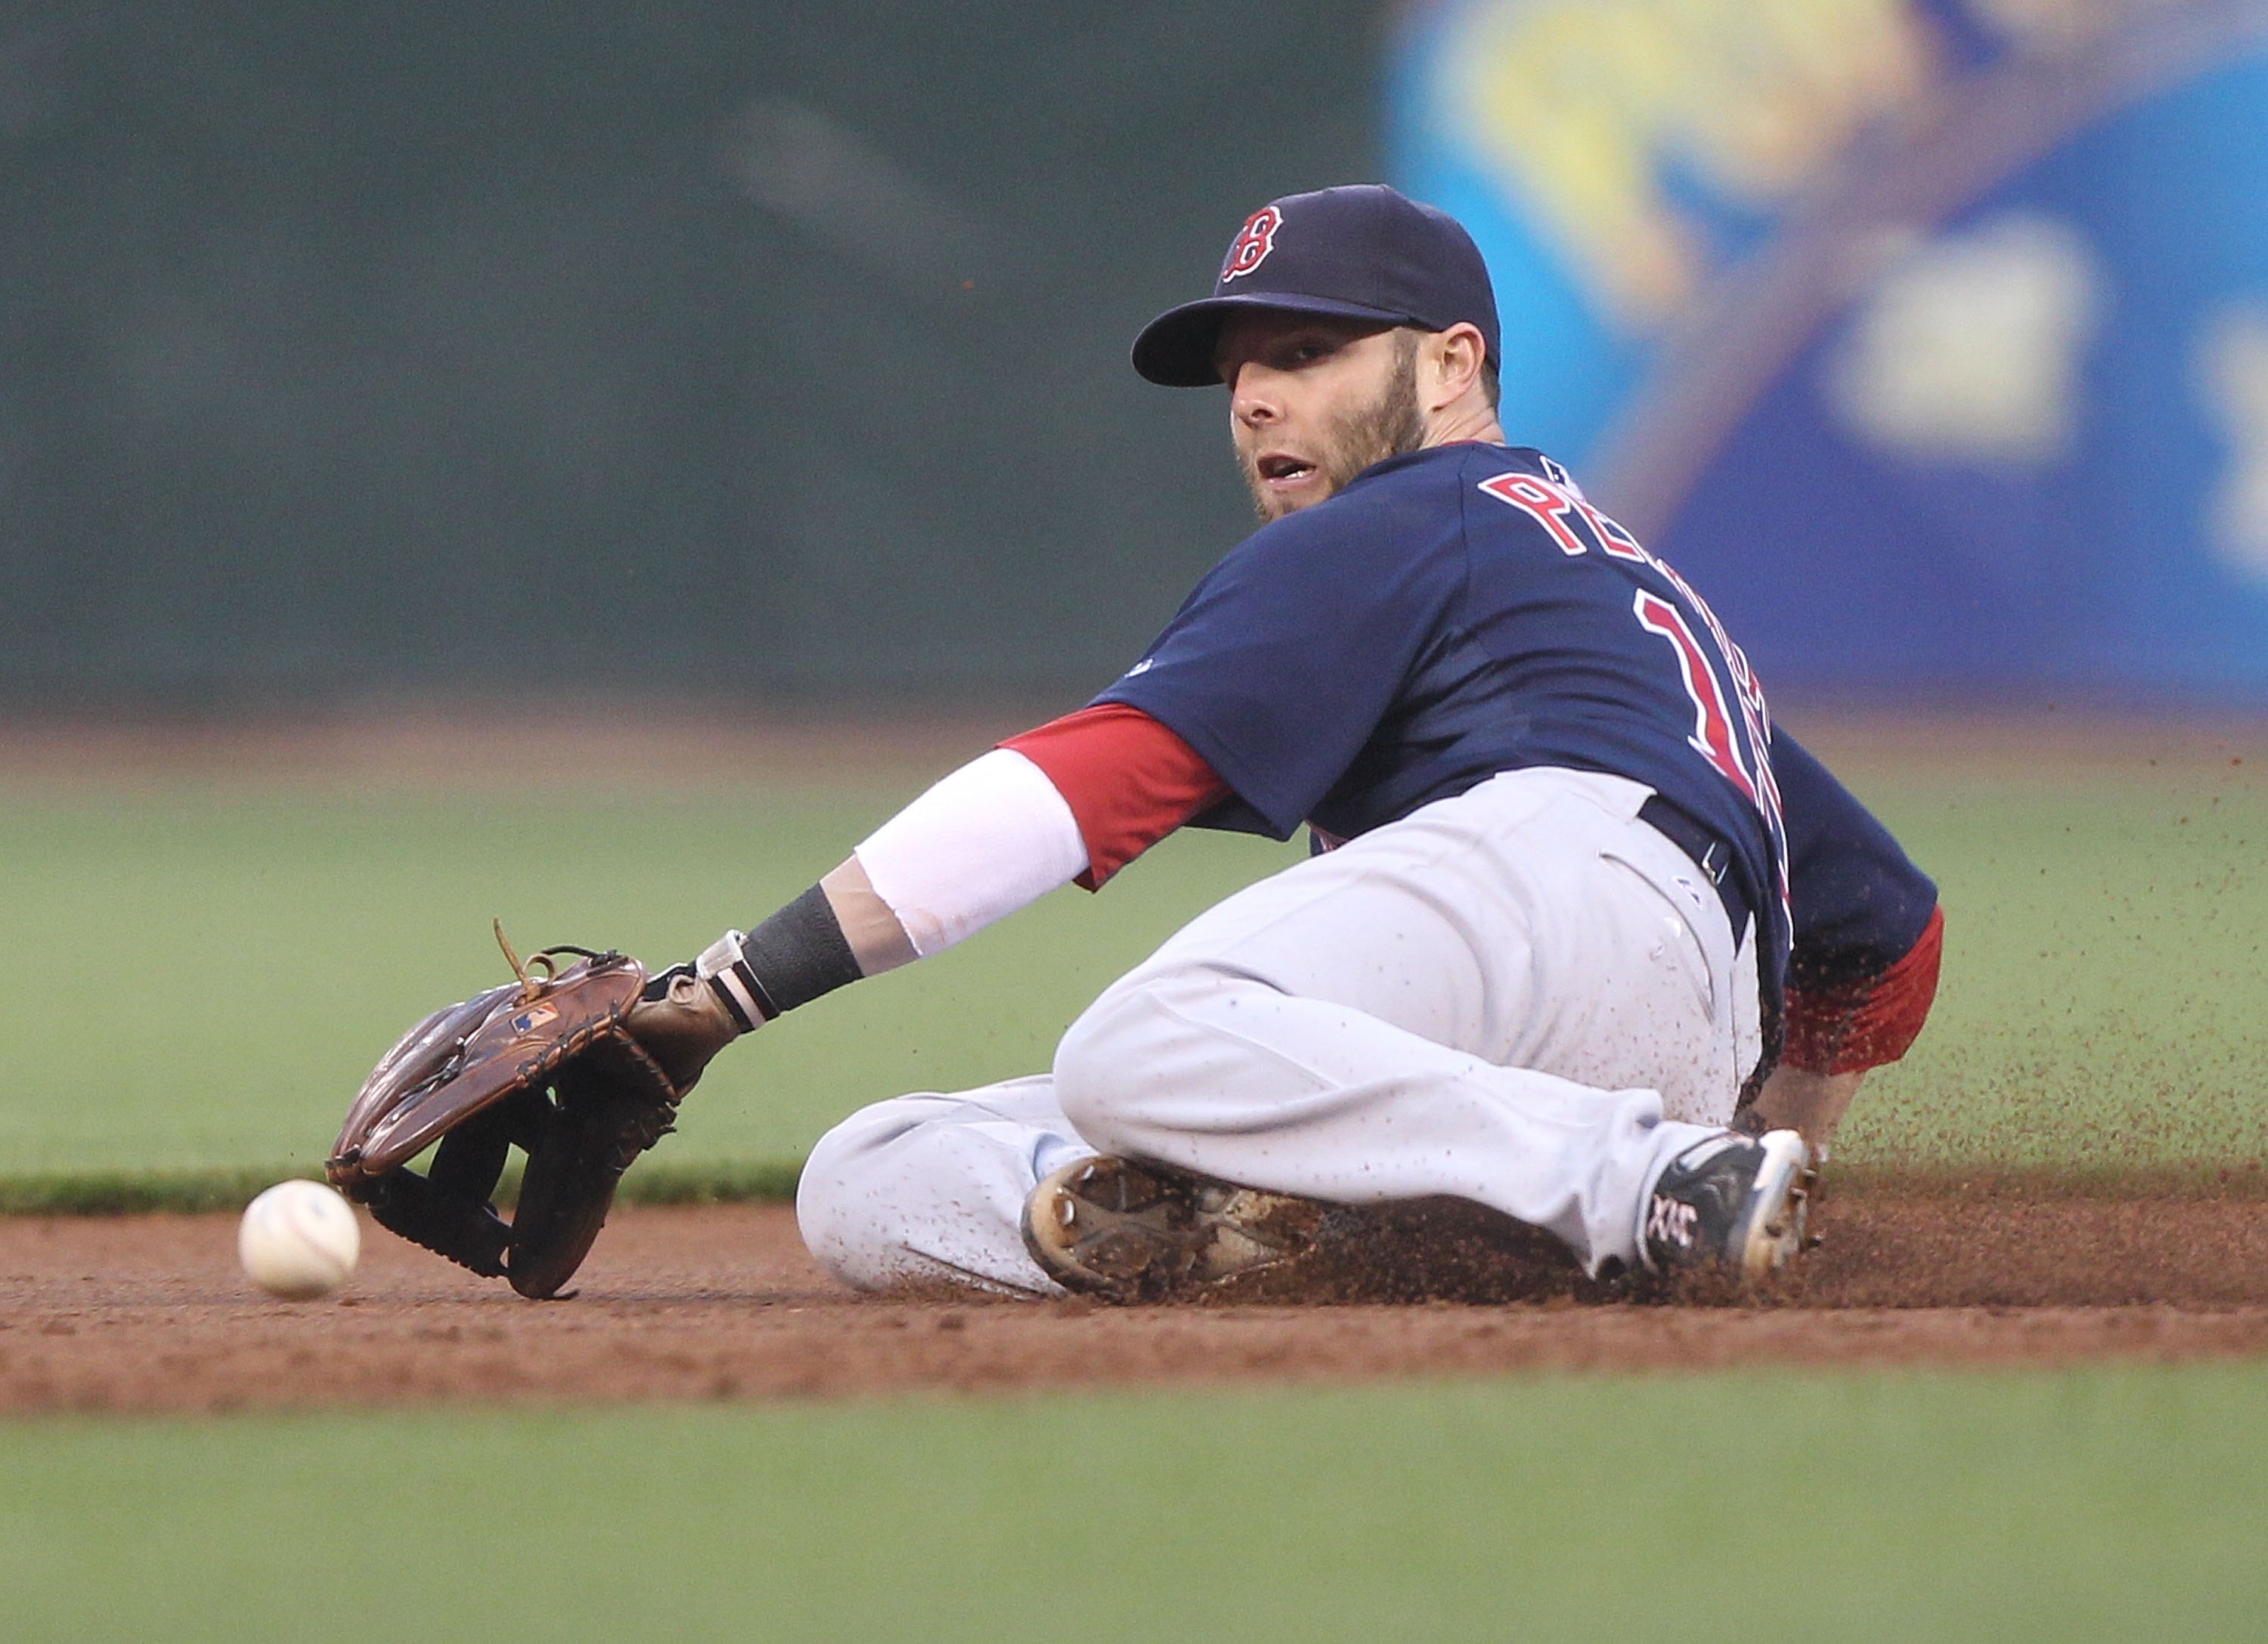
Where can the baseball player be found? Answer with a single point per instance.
(1573, 898)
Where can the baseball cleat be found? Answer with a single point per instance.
(1733, 1203)
(1129, 1232)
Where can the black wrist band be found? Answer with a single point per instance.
(797, 954)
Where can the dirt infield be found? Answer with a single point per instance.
(150, 1313)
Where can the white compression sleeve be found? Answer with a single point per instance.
(990, 837)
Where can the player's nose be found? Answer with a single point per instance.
(1249, 401)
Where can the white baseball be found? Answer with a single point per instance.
(299, 1240)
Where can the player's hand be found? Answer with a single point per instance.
(680, 1021)
(1794, 1099)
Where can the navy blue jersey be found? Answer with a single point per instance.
(1449, 614)
(1860, 903)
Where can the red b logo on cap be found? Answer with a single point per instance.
(1252, 247)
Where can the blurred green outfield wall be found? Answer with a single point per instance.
(404, 347)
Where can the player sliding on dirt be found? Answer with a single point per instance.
(1583, 940)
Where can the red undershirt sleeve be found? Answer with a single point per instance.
(1128, 779)
(1865, 1024)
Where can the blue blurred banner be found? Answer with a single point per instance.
(1928, 338)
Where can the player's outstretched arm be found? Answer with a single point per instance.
(581, 1065)
(1073, 801)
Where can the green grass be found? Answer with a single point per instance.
(204, 977)
(2103, 978)
(2095, 1504)
(126, 1192)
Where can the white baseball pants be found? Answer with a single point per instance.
(1523, 996)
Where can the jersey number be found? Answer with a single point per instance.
(1575, 526)
(1712, 725)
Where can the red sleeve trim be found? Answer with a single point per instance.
(1128, 779)
(1866, 1024)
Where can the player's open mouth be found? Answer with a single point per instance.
(1279, 469)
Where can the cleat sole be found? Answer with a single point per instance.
(1774, 1227)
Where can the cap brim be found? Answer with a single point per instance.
(1176, 348)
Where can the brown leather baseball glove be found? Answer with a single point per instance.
(581, 1068)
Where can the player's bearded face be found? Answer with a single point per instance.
(1312, 403)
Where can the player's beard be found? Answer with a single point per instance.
(1390, 425)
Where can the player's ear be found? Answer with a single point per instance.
(1457, 356)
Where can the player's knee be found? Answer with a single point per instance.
(870, 1186)
(837, 1200)
(1116, 1059)
(925, 1191)
(1092, 1076)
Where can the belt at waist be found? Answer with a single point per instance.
(1710, 853)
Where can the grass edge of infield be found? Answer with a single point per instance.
(197, 1192)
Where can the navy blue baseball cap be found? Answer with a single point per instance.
(1359, 252)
